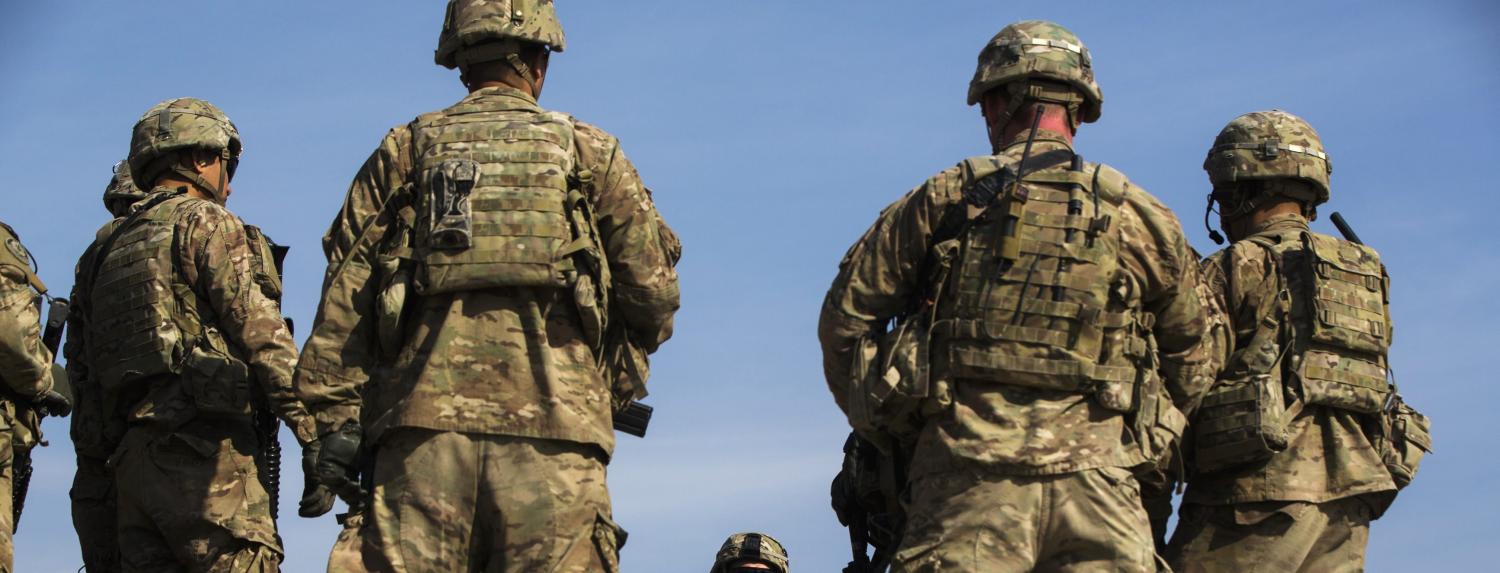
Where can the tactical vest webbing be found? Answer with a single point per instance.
(140, 313)
(1061, 317)
(491, 190)
(1338, 316)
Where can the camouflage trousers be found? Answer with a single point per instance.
(1277, 537)
(94, 514)
(7, 510)
(449, 502)
(190, 501)
(973, 521)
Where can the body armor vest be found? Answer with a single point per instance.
(140, 312)
(1063, 316)
(1338, 327)
(1320, 339)
(492, 198)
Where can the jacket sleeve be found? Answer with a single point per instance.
(880, 275)
(1190, 329)
(342, 349)
(637, 243)
(219, 263)
(25, 364)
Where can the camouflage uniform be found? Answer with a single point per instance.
(476, 375)
(1308, 507)
(25, 367)
(93, 491)
(1027, 386)
(179, 334)
(751, 548)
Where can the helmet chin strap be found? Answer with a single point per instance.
(214, 191)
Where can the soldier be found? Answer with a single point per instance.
(93, 492)
(482, 258)
(1302, 441)
(28, 375)
(751, 553)
(179, 332)
(1049, 335)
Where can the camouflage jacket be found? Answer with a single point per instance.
(1329, 454)
(509, 361)
(214, 258)
(25, 365)
(1011, 429)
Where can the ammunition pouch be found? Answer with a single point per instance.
(218, 383)
(395, 287)
(890, 380)
(1408, 439)
(1240, 422)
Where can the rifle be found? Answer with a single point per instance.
(267, 426)
(864, 502)
(52, 333)
(633, 419)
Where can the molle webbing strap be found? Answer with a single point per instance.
(109, 242)
(751, 548)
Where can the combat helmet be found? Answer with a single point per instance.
(121, 192)
(751, 546)
(181, 124)
(1042, 50)
(1273, 144)
(486, 30)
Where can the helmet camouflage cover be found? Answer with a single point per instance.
(1271, 144)
(470, 23)
(177, 124)
(742, 547)
(1042, 50)
(121, 192)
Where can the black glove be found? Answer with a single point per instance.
(317, 499)
(338, 461)
(56, 402)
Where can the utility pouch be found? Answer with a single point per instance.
(891, 379)
(395, 284)
(452, 219)
(1240, 422)
(1409, 439)
(218, 383)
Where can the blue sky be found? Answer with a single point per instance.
(772, 133)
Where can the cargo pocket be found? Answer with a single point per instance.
(1410, 439)
(609, 538)
(218, 383)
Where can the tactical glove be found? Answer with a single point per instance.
(317, 499)
(338, 461)
(56, 402)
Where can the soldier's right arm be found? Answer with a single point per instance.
(880, 274)
(342, 348)
(25, 365)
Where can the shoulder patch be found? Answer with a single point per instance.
(1110, 184)
(15, 248)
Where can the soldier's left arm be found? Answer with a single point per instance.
(219, 264)
(1188, 326)
(880, 274)
(635, 240)
(25, 364)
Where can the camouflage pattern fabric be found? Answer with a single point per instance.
(511, 361)
(25, 369)
(971, 521)
(471, 23)
(1042, 50)
(1270, 145)
(1273, 537)
(95, 515)
(746, 548)
(1330, 452)
(1019, 430)
(121, 192)
(450, 501)
(190, 501)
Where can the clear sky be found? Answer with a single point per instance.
(772, 133)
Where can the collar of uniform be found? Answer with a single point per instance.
(494, 94)
(1046, 140)
(1280, 224)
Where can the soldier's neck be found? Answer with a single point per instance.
(1054, 122)
(192, 190)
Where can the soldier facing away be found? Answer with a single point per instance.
(179, 332)
(1048, 334)
(482, 256)
(28, 376)
(751, 553)
(1302, 441)
(93, 491)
